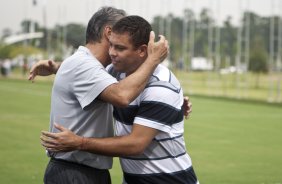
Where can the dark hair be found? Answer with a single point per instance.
(138, 29)
(105, 16)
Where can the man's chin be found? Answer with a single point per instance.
(117, 68)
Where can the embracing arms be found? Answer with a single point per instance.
(132, 144)
(122, 93)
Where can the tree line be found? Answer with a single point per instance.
(259, 38)
(57, 39)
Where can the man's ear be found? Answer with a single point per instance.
(143, 50)
(107, 32)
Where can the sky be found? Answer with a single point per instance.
(12, 12)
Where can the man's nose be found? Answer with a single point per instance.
(112, 51)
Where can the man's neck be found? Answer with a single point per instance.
(99, 51)
(140, 63)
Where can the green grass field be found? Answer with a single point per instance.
(230, 142)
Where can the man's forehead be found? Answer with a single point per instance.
(117, 36)
(124, 34)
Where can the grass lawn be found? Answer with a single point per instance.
(230, 142)
(234, 142)
(261, 87)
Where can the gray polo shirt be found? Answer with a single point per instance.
(74, 104)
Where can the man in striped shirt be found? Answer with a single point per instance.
(149, 132)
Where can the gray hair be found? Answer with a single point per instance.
(106, 16)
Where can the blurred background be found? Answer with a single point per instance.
(226, 54)
(235, 44)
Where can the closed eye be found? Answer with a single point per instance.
(120, 48)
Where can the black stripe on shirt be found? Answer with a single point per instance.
(126, 115)
(187, 176)
(157, 158)
(151, 110)
(160, 112)
(168, 139)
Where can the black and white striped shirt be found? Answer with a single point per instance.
(159, 106)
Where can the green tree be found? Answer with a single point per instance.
(75, 35)
(12, 51)
(258, 59)
(228, 40)
(5, 51)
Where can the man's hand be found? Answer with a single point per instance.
(43, 68)
(157, 51)
(65, 140)
(187, 106)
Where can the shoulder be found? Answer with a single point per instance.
(163, 87)
(164, 78)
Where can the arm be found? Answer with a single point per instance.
(132, 144)
(43, 68)
(122, 93)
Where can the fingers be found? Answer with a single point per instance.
(49, 134)
(190, 107)
(32, 73)
(162, 38)
(33, 68)
(164, 47)
(59, 127)
(50, 63)
(163, 41)
(188, 111)
(187, 107)
(53, 141)
(158, 50)
(42, 68)
(52, 66)
(50, 146)
(31, 77)
(49, 142)
(152, 37)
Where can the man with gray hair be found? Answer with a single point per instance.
(82, 95)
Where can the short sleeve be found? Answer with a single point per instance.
(90, 79)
